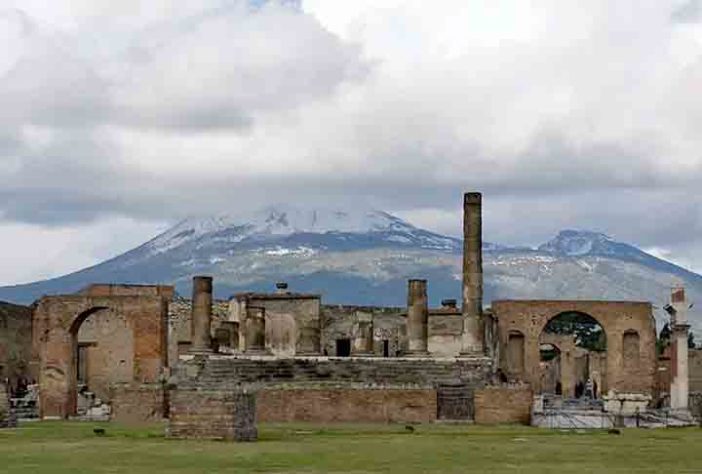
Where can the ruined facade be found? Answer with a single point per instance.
(214, 367)
(629, 327)
(133, 334)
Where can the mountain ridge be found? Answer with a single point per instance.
(365, 256)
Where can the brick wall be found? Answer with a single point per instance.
(495, 405)
(137, 404)
(15, 342)
(7, 418)
(320, 405)
(212, 414)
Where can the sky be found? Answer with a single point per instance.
(120, 118)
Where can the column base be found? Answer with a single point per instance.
(471, 353)
(198, 351)
(364, 354)
(418, 354)
(257, 352)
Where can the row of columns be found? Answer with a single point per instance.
(201, 321)
(255, 322)
(472, 337)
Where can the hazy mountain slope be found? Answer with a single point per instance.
(366, 256)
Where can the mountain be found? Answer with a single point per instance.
(366, 256)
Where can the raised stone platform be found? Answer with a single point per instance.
(224, 371)
(203, 390)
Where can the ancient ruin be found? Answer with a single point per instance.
(215, 368)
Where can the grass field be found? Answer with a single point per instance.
(54, 447)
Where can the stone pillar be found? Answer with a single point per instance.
(363, 335)
(255, 330)
(417, 317)
(201, 319)
(679, 385)
(473, 337)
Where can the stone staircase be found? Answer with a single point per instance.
(222, 371)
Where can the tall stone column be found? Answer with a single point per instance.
(473, 331)
(255, 330)
(679, 385)
(201, 318)
(417, 317)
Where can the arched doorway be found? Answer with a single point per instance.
(550, 369)
(56, 336)
(573, 356)
(103, 341)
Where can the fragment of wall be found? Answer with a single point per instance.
(15, 343)
(503, 404)
(333, 405)
(529, 317)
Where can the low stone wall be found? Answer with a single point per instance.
(212, 414)
(503, 404)
(695, 405)
(203, 390)
(372, 405)
(7, 416)
(138, 404)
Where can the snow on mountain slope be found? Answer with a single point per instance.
(365, 256)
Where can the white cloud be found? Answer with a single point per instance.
(588, 112)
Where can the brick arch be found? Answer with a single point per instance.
(56, 322)
(82, 316)
(581, 313)
(531, 317)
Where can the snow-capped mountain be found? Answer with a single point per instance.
(364, 256)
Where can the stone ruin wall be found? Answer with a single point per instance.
(324, 389)
(343, 322)
(528, 318)
(346, 405)
(7, 416)
(213, 414)
(336, 322)
(179, 326)
(503, 404)
(15, 343)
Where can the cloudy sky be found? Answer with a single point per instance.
(119, 118)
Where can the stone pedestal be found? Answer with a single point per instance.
(363, 335)
(255, 325)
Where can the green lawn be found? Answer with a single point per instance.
(53, 447)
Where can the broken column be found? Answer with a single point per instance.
(363, 334)
(679, 385)
(417, 317)
(255, 330)
(201, 319)
(472, 337)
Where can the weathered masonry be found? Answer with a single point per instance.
(125, 345)
(214, 368)
(630, 362)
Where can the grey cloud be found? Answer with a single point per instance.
(688, 12)
(92, 135)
